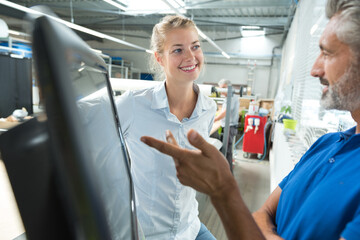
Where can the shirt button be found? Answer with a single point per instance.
(331, 160)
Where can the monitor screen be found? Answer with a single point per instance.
(91, 163)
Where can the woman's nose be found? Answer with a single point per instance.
(189, 54)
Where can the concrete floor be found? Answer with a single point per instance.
(253, 178)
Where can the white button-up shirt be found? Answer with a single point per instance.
(166, 209)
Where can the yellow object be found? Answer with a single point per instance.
(290, 123)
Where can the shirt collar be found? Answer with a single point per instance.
(159, 97)
(345, 135)
(160, 100)
(202, 103)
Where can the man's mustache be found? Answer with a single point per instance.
(324, 81)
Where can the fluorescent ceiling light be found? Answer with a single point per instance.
(13, 32)
(250, 28)
(72, 25)
(201, 34)
(18, 56)
(225, 55)
(115, 4)
(252, 31)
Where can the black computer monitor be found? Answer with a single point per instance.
(88, 155)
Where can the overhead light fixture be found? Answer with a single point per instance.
(13, 32)
(250, 28)
(73, 26)
(18, 56)
(252, 31)
(225, 55)
(201, 34)
(115, 4)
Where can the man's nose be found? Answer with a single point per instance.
(318, 68)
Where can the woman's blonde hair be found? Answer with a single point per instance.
(158, 37)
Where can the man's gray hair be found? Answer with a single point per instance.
(348, 29)
(224, 81)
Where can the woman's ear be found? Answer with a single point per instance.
(158, 58)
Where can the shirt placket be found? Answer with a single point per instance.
(178, 186)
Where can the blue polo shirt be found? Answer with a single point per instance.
(320, 198)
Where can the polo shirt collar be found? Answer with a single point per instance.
(345, 135)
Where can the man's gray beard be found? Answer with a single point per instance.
(345, 93)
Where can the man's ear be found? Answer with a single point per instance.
(158, 58)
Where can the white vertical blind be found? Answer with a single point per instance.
(311, 22)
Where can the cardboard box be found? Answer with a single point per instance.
(244, 102)
(269, 105)
(266, 103)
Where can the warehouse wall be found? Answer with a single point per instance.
(243, 51)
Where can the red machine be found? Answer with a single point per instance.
(254, 131)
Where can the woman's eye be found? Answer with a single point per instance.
(196, 47)
(178, 50)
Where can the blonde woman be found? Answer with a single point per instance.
(166, 208)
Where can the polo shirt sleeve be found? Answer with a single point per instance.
(125, 108)
(352, 229)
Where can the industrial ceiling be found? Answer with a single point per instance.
(218, 19)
